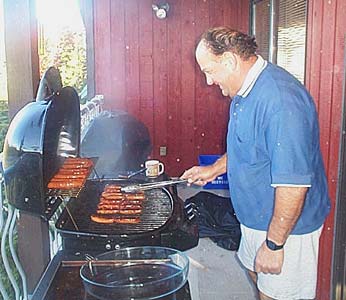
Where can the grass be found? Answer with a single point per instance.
(3, 273)
(4, 122)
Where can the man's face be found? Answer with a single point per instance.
(217, 69)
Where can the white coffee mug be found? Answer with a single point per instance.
(154, 168)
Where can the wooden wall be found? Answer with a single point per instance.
(146, 66)
(324, 75)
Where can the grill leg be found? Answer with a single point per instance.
(34, 252)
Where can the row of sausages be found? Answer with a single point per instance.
(118, 207)
(72, 174)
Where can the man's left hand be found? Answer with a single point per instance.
(269, 261)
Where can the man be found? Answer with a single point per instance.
(274, 164)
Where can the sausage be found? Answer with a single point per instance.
(134, 196)
(111, 219)
(119, 201)
(78, 161)
(123, 196)
(112, 187)
(101, 219)
(112, 197)
(111, 194)
(73, 171)
(127, 220)
(119, 211)
(115, 202)
(63, 184)
(75, 166)
(110, 191)
(55, 179)
(118, 206)
(69, 176)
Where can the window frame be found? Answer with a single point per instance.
(273, 29)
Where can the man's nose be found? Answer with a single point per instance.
(209, 80)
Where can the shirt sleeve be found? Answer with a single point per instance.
(289, 142)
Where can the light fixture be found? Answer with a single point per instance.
(160, 10)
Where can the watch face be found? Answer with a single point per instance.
(270, 245)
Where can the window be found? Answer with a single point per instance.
(280, 30)
(62, 41)
(261, 26)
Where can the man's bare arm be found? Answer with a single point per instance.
(289, 202)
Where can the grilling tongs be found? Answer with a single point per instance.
(152, 185)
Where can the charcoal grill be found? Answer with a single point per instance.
(40, 137)
(163, 222)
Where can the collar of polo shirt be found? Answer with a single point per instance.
(252, 76)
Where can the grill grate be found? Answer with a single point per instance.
(74, 192)
(55, 193)
(157, 208)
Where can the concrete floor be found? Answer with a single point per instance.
(215, 273)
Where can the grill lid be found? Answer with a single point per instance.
(39, 137)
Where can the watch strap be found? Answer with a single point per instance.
(272, 246)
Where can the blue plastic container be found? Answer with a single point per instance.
(221, 182)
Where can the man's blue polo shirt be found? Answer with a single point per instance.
(273, 140)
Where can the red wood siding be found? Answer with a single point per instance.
(102, 44)
(146, 66)
(324, 74)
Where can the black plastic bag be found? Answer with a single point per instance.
(216, 219)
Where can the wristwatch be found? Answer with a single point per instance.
(272, 246)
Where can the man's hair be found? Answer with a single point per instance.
(222, 39)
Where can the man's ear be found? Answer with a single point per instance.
(229, 60)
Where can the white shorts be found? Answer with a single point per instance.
(298, 277)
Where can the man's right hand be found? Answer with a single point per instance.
(199, 175)
(202, 175)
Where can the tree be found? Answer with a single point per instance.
(69, 56)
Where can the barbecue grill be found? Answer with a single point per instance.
(40, 138)
(163, 222)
